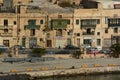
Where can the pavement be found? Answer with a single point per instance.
(63, 63)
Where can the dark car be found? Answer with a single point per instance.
(35, 46)
(63, 52)
(71, 47)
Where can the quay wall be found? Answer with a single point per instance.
(46, 73)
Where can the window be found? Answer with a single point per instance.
(48, 35)
(68, 21)
(73, 3)
(106, 30)
(41, 21)
(98, 33)
(115, 30)
(88, 31)
(98, 42)
(78, 34)
(113, 22)
(5, 30)
(41, 39)
(77, 21)
(6, 43)
(32, 32)
(106, 20)
(14, 22)
(59, 16)
(98, 21)
(5, 22)
(59, 32)
(68, 33)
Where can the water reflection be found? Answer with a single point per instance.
(90, 77)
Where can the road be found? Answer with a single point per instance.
(64, 63)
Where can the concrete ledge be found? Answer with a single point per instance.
(72, 71)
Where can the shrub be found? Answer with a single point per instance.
(38, 52)
(77, 54)
(65, 4)
(115, 48)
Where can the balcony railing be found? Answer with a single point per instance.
(88, 26)
(6, 34)
(86, 33)
(6, 27)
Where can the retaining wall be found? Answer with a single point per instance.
(73, 71)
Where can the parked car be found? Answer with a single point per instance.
(71, 47)
(105, 51)
(3, 48)
(93, 51)
(63, 52)
(18, 46)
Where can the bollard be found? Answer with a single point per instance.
(58, 67)
(29, 69)
(14, 71)
(84, 66)
(43, 69)
(97, 65)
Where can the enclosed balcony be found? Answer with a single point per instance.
(59, 23)
(32, 25)
(89, 23)
(114, 22)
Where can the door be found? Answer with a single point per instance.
(32, 42)
(78, 42)
(87, 41)
(23, 42)
(49, 43)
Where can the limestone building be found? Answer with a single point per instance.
(53, 28)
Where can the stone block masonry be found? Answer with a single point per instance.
(85, 71)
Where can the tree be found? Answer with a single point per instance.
(0, 52)
(77, 54)
(115, 48)
(38, 52)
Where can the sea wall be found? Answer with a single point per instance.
(46, 73)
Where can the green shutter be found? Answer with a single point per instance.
(59, 23)
(32, 25)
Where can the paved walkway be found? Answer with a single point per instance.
(63, 63)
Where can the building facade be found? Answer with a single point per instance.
(31, 26)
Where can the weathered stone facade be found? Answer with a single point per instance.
(95, 27)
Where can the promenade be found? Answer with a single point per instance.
(58, 64)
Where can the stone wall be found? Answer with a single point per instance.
(74, 71)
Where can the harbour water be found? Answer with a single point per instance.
(88, 77)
